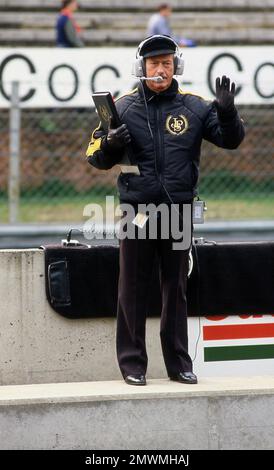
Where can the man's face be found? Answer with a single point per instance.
(163, 66)
(166, 11)
(73, 6)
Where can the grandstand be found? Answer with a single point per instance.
(123, 22)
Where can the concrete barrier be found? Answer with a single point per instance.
(218, 413)
(39, 346)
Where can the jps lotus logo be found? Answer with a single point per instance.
(177, 125)
(104, 114)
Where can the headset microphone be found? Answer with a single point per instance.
(152, 45)
(154, 79)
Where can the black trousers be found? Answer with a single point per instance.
(136, 263)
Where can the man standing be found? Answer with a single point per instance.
(165, 127)
(67, 29)
(159, 24)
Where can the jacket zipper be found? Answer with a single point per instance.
(158, 141)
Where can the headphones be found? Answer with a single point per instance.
(138, 66)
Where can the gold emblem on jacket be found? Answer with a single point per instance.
(177, 125)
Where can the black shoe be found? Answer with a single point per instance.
(185, 378)
(135, 379)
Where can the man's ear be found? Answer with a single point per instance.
(144, 67)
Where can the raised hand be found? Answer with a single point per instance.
(225, 94)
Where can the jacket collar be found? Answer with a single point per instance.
(171, 92)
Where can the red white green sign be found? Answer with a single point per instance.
(233, 345)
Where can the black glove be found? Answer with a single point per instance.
(225, 94)
(119, 137)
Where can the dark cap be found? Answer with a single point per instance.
(157, 45)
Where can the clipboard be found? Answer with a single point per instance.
(106, 110)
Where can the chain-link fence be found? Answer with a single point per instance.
(56, 182)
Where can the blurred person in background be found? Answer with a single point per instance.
(159, 24)
(67, 30)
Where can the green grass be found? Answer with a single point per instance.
(231, 208)
(70, 209)
(53, 209)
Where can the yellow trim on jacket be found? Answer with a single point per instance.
(94, 144)
(181, 92)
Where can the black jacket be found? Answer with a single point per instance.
(168, 159)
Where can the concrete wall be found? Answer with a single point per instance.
(228, 413)
(38, 346)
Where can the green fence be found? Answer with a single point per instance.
(56, 182)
